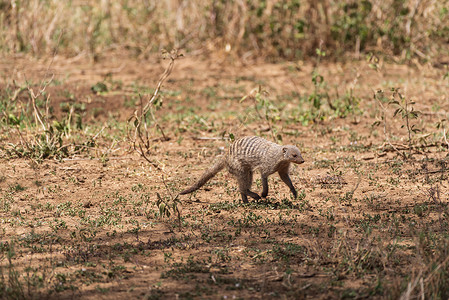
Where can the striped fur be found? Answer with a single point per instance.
(249, 154)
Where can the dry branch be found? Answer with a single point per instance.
(138, 132)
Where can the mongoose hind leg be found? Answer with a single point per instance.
(264, 186)
(286, 179)
(245, 179)
(249, 193)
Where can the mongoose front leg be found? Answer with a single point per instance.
(286, 179)
(264, 187)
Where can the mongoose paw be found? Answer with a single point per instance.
(256, 196)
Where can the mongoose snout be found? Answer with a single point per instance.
(249, 154)
(292, 154)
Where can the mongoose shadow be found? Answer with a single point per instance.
(247, 155)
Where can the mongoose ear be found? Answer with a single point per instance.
(284, 150)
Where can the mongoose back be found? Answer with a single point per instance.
(249, 154)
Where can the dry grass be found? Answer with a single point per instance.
(246, 29)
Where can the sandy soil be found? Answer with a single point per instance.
(89, 226)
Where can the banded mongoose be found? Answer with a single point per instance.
(249, 154)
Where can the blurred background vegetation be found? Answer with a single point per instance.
(249, 29)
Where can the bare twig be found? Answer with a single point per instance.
(140, 138)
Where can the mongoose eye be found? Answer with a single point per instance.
(295, 155)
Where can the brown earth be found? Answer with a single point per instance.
(367, 222)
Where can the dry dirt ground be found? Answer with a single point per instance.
(371, 215)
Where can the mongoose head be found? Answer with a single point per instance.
(292, 154)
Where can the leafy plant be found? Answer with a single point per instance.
(99, 87)
(405, 109)
(167, 206)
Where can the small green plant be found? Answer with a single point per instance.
(99, 87)
(405, 109)
(168, 205)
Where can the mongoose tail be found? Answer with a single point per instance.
(219, 165)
